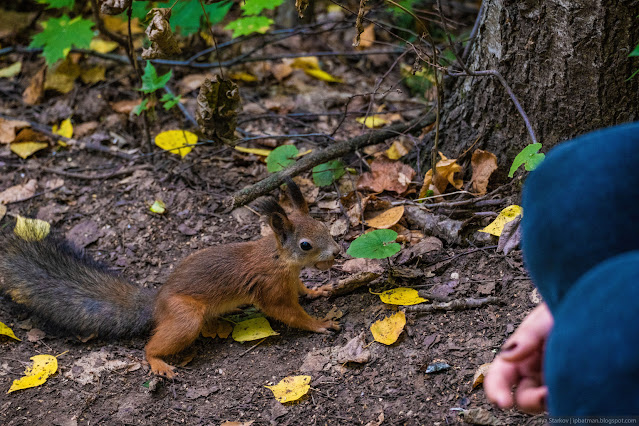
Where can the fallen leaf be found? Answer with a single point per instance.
(479, 416)
(8, 129)
(62, 78)
(18, 192)
(506, 215)
(480, 373)
(176, 141)
(510, 237)
(33, 94)
(90, 367)
(6, 331)
(103, 46)
(11, 71)
(256, 151)
(367, 37)
(397, 150)
(339, 227)
(3, 210)
(355, 350)
(425, 246)
(387, 218)
(31, 229)
(372, 121)
(483, 163)
(35, 334)
(53, 184)
(65, 128)
(125, 107)
(83, 233)
(252, 329)
(291, 388)
(35, 375)
(218, 106)
(387, 330)
(281, 71)
(249, 423)
(158, 207)
(386, 175)
(93, 75)
(377, 244)
(84, 129)
(354, 266)
(118, 25)
(191, 82)
(26, 149)
(323, 76)
(243, 76)
(446, 170)
(402, 296)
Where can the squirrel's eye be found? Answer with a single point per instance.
(305, 245)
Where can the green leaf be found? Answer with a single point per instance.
(378, 244)
(170, 100)
(187, 16)
(529, 157)
(60, 34)
(281, 157)
(151, 81)
(635, 52)
(254, 7)
(327, 173)
(142, 107)
(58, 4)
(249, 25)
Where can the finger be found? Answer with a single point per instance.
(530, 336)
(531, 396)
(501, 377)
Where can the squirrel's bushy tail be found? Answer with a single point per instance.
(71, 291)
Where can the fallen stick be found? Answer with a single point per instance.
(454, 305)
(316, 158)
(349, 284)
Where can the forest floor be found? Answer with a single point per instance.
(221, 380)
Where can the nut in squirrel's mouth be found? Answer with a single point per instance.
(324, 265)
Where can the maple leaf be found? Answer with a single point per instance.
(60, 34)
(254, 7)
(58, 4)
(248, 25)
(151, 81)
(187, 15)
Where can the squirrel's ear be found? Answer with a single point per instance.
(295, 195)
(281, 226)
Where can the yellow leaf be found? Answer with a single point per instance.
(323, 75)
(62, 79)
(102, 46)
(176, 141)
(242, 76)
(372, 121)
(402, 296)
(256, 151)
(35, 375)
(6, 331)
(480, 373)
(25, 149)
(397, 151)
(158, 207)
(65, 129)
(93, 75)
(31, 229)
(306, 63)
(506, 215)
(303, 153)
(11, 71)
(387, 330)
(387, 218)
(253, 329)
(291, 388)
(446, 171)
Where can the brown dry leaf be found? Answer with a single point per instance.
(483, 163)
(446, 169)
(30, 135)
(8, 129)
(367, 37)
(386, 219)
(354, 266)
(18, 192)
(478, 378)
(281, 71)
(192, 82)
(428, 245)
(301, 6)
(11, 23)
(356, 350)
(35, 334)
(163, 42)
(218, 105)
(114, 7)
(386, 175)
(339, 228)
(398, 149)
(249, 423)
(125, 107)
(3, 211)
(33, 94)
(84, 129)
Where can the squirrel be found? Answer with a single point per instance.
(73, 292)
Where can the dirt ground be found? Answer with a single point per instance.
(101, 382)
(224, 380)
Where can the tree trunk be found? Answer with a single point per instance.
(567, 62)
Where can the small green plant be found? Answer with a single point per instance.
(151, 82)
(530, 157)
(250, 22)
(634, 53)
(377, 244)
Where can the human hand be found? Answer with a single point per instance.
(519, 364)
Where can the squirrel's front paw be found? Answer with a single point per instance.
(321, 291)
(329, 325)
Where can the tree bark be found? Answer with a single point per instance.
(567, 62)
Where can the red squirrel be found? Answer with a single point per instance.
(71, 291)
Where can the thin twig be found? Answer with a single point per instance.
(84, 176)
(454, 305)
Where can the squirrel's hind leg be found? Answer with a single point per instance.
(176, 328)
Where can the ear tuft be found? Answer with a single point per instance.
(281, 226)
(295, 195)
(267, 206)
